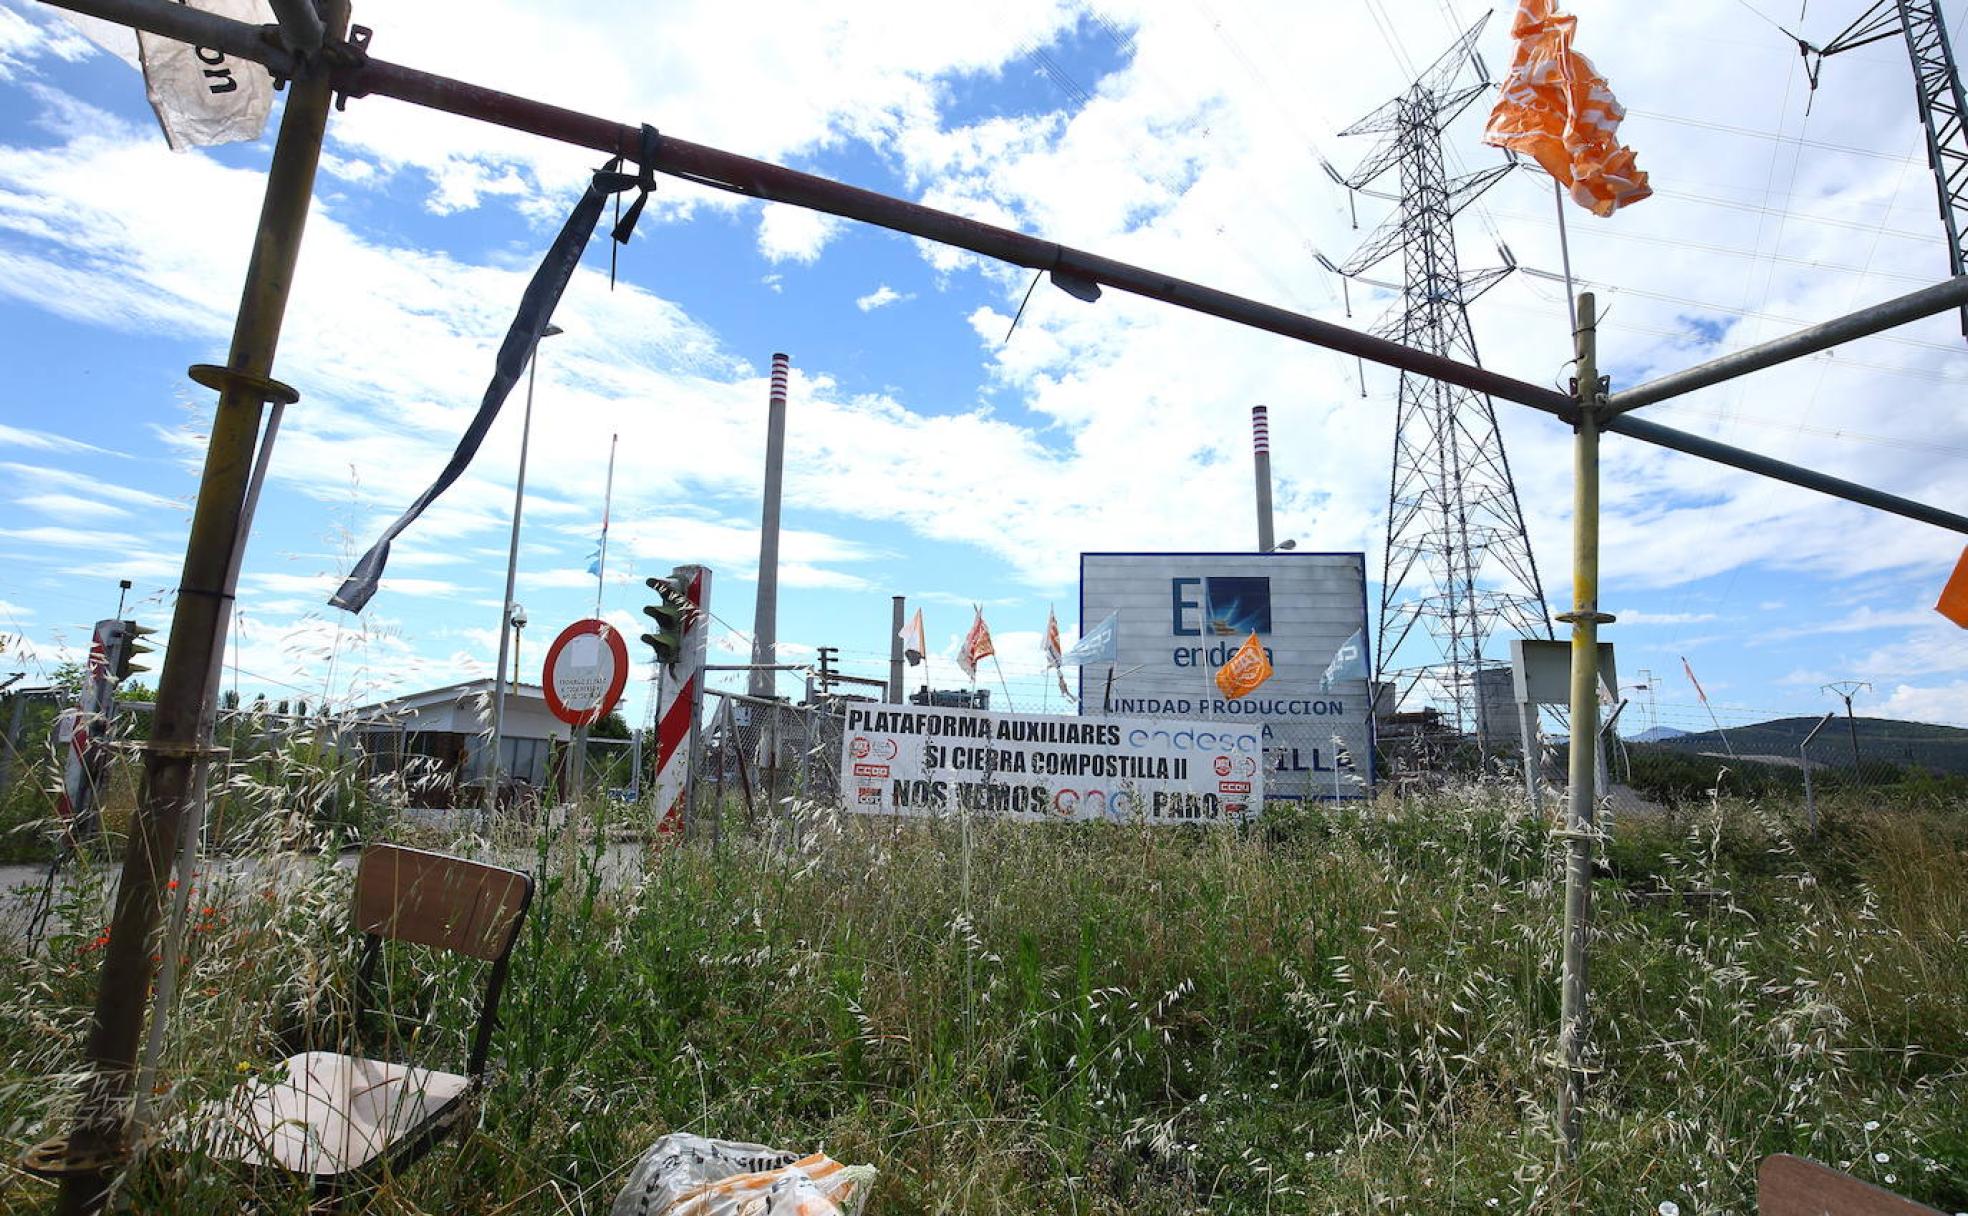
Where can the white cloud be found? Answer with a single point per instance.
(1117, 424)
(792, 234)
(68, 506)
(46, 441)
(95, 486)
(66, 538)
(881, 297)
(1932, 703)
(1860, 620)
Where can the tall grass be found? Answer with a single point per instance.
(1344, 1009)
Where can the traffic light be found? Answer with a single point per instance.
(125, 644)
(667, 615)
(133, 645)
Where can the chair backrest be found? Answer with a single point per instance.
(447, 903)
(1794, 1186)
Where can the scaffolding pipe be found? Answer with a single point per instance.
(1777, 470)
(1951, 293)
(300, 25)
(1083, 271)
(1574, 1027)
(184, 23)
(96, 1149)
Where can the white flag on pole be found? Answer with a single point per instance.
(913, 648)
(203, 96)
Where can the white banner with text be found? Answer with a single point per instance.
(910, 760)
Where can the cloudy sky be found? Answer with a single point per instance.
(928, 456)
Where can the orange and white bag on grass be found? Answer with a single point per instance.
(686, 1175)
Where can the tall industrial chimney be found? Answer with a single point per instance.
(1261, 454)
(765, 619)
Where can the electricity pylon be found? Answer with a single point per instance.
(1937, 87)
(1453, 519)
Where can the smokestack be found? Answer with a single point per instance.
(1261, 456)
(895, 653)
(765, 618)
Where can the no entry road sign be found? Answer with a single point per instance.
(586, 669)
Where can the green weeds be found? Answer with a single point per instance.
(1344, 1009)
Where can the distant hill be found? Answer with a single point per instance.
(1942, 749)
(1656, 734)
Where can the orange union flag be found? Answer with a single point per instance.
(1954, 596)
(1247, 669)
(1556, 108)
(977, 645)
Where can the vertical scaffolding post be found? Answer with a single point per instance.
(1585, 619)
(97, 1147)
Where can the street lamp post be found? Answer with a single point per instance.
(507, 609)
(518, 623)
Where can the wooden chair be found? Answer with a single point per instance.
(338, 1119)
(1796, 1186)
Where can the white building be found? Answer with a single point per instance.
(438, 740)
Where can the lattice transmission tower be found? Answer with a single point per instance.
(1937, 87)
(1458, 562)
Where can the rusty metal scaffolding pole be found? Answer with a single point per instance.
(97, 1147)
(1080, 272)
(759, 179)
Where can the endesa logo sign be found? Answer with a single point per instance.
(1231, 606)
(1191, 739)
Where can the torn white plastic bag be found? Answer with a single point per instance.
(686, 1175)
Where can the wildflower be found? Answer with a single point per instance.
(1872, 1125)
(1668, 1208)
(1882, 1158)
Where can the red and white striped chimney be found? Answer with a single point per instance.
(1261, 458)
(765, 618)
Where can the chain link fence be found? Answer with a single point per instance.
(280, 775)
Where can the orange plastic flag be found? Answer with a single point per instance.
(1557, 109)
(977, 645)
(1954, 596)
(1247, 669)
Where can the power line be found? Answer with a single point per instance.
(1710, 306)
(1777, 137)
(1809, 217)
(1734, 251)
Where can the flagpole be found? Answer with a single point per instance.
(1009, 708)
(1727, 746)
(607, 500)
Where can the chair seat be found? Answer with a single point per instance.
(335, 1114)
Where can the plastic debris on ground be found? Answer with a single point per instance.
(686, 1175)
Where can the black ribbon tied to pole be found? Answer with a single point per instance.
(536, 309)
